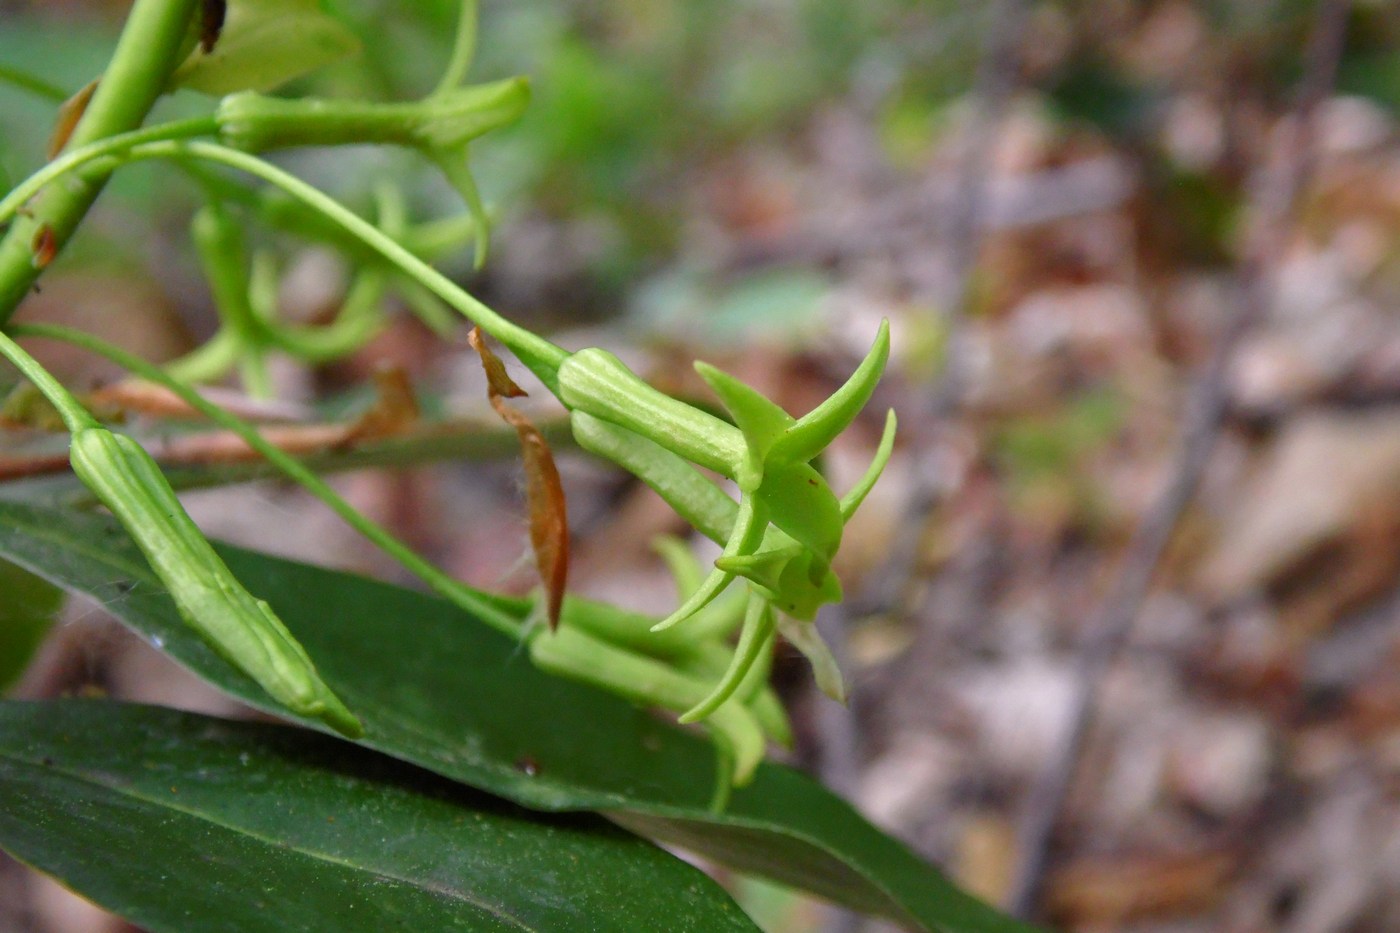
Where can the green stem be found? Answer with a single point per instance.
(539, 355)
(147, 52)
(16, 77)
(112, 146)
(455, 592)
(74, 415)
(463, 49)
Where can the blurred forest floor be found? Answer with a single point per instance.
(757, 184)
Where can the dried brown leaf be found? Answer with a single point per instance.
(69, 113)
(544, 493)
(395, 409)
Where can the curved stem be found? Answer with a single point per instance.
(463, 50)
(538, 354)
(18, 77)
(112, 146)
(74, 415)
(147, 53)
(453, 591)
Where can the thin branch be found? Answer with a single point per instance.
(217, 458)
(1277, 198)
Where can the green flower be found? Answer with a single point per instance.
(784, 531)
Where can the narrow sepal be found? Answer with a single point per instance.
(756, 635)
(814, 431)
(759, 420)
(857, 493)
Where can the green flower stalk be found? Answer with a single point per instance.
(440, 126)
(240, 627)
(444, 122)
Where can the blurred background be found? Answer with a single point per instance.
(1142, 265)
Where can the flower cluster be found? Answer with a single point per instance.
(786, 527)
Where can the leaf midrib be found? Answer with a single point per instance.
(271, 842)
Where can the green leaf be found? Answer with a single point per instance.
(186, 823)
(266, 43)
(437, 689)
(27, 611)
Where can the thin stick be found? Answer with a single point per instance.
(1277, 198)
(963, 233)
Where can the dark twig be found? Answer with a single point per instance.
(1276, 198)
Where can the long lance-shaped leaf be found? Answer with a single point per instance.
(459, 698)
(188, 824)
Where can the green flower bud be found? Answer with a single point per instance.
(597, 383)
(444, 122)
(242, 629)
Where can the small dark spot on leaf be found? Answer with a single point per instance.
(46, 761)
(527, 765)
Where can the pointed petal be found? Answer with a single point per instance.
(712, 660)
(754, 638)
(811, 434)
(804, 637)
(852, 499)
(748, 531)
(713, 624)
(759, 420)
(800, 503)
